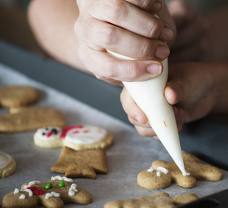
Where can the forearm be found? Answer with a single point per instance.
(52, 22)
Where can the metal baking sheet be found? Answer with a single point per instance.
(129, 154)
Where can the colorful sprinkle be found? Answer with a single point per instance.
(37, 190)
(48, 186)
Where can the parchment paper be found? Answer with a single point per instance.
(126, 157)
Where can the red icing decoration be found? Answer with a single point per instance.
(49, 134)
(37, 190)
(68, 128)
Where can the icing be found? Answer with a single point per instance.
(22, 196)
(4, 160)
(29, 192)
(186, 174)
(85, 135)
(32, 183)
(73, 189)
(52, 194)
(159, 171)
(48, 136)
(16, 191)
(37, 190)
(59, 178)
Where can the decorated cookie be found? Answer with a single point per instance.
(18, 96)
(162, 174)
(7, 165)
(53, 193)
(31, 118)
(76, 137)
(83, 163)
(160, 200)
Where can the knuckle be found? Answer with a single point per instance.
(145, 49)
(116, 9)
(132, 71)
(144, 3)
(153, 28)
(109, 35)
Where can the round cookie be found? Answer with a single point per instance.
(18, 96)
(154, 178)
(86, 137)
(48, 137)
(7, 165)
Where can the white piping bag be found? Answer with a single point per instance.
(149, 96)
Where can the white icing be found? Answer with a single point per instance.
(53, 178)
(186, 174)
(73, 189)
(5, 160)
(85, 135)
(30, 194)
(42, 139)
(159, 171)
(22, 196)
(52, 194)
(16, 191)
(31, 183)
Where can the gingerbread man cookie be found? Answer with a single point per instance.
(53, 193)
(7, 165)
(77, 137)
(83, 163)
(160, 200)
(18, 96)
(27, 119)
(162, 174)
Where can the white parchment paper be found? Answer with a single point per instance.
(129, 154)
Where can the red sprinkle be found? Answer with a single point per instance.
(37, 190)
(68, 128)
(49, 134)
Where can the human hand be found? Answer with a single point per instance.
(190, 90)
(192, 32)
(127, 27)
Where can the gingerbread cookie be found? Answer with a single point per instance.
(7, 165)
(77, 137)
(83, 163)
(53, 193)
(160, 200)
(17, 96)
(27, 119)
(162, 174)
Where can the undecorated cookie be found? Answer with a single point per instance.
(83, 163)
(160, 200)
(77, 137)
(162, 174)
(27, 119)
(7, 165)
(18, 96)
(51, 194)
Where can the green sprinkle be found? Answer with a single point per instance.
(48, 186)
(61, 184)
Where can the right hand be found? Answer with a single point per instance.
(127, 27)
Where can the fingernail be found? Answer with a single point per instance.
(157, 6)
(155, 69)
(167, 34)
(162, 52)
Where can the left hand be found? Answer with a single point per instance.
(190, 90)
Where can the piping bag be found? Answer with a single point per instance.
(149, 96)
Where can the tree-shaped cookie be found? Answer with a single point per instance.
(83, 163)
(160, 200)
(162, 174)
(51, 194)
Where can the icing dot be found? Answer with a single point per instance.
(186, 174)
(29, 192)
(16, 191)
(54, 178)
(22, 196)
(52, 194)
(73, 189)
